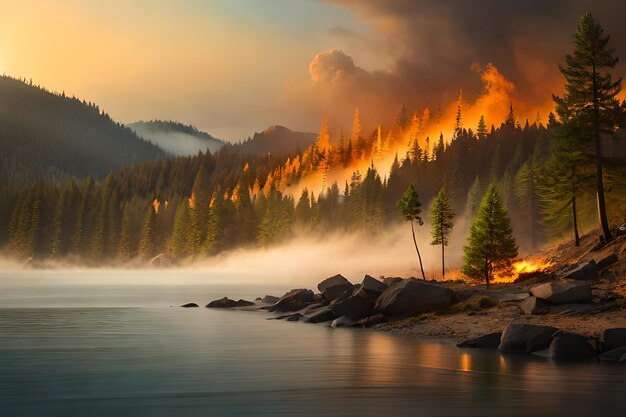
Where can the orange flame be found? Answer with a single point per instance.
(524, 266)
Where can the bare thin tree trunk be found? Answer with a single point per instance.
(418, 251)
(443, 258)
(576, 235)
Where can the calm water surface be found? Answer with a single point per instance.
(121, 350)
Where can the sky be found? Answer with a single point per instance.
(233, 67)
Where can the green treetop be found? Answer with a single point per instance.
(442, 225)
(491, 248)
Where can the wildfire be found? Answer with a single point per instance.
(524, 266)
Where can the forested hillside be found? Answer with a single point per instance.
(197, 206)
(518, 184)
(176, 138)
(277, 140)
(49, 136)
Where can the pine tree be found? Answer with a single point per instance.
(303, 209)
(180, 239)
(57, 222)
(481, 130)
(124, 247)
(147, 242)
(245, 220)
(403, 118)
(491, 248)
(442, 225)
(590, 102)
(563, 178)
(276, 220)
(525, 188)
(474, 197)
(410, 209)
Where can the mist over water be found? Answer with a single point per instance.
(300, 262)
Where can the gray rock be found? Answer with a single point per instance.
(344, 321)
(487, 341)
(189, 305)
(373, 320)
(319, 315)
(294, 300)
(228, 303)
(563, 292)
(586, 272)
(533, 305)
(334, 287)
(412, 297)
(614, 355)
(357, 305)
(614, 338)
(373, 286)
(606, 261)
(525, 338)
(567, 345)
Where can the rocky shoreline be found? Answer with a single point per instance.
(574, 309)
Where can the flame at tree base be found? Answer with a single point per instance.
(524, 266)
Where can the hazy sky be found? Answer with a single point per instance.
(232, 67)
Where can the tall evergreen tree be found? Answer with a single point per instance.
(442, 225)
(180, 240)
(124, 249)
(481, 130)
(590, 101)
(147, 242)
(491, 248)
(410, 209)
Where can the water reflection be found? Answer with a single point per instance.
(172, 362)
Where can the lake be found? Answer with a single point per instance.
(101, 349)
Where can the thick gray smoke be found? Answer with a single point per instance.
(437, 46)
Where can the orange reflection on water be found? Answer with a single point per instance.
(466, 362)
(382, 355)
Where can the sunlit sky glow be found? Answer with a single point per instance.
(222, 65)
(233, 67)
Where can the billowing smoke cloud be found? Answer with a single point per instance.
(434, 45)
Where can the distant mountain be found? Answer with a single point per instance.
(278, 140)
(44, 135)
(176, 138)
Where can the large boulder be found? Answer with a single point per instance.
(357, 305)
(567, 345)
(563, 292)
(585, 272)
(411, 297)
(294, 300)
(614, 338)
(525, 338)
(487, 341)
(373, 286)
(228, 303)
(614, 355)
(334, 287)
(533, 305)
(319, 315)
